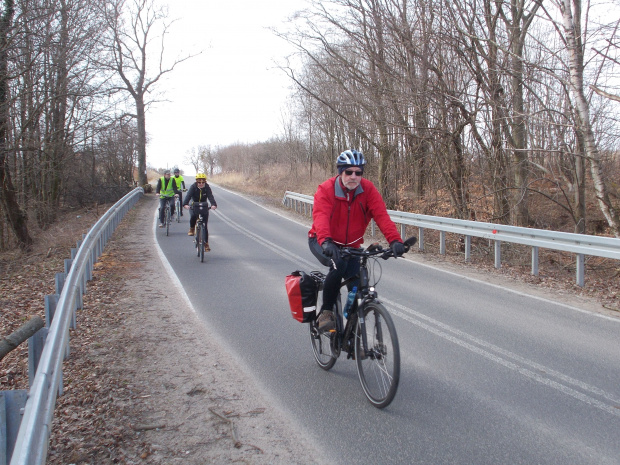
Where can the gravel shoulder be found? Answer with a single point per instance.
(146, 383)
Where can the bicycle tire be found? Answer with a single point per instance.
(202, 244)
(379, 368)
(322, 346)
(167, 218)
(197, 239)
(177, 205)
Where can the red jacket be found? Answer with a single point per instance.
(344, 216)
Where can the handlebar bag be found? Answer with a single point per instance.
(200, 208)
(302, 291)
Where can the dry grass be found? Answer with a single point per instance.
(273, 183)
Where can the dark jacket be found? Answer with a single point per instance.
(343, 216)
(198, 194)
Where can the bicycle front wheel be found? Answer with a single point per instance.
(167, 221)
(197, 237)
(178, 210)
(378, 367)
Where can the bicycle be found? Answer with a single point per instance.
(177, 208)
(167, 215)
(369, 334)
(200, 230)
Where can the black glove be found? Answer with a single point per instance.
(398, 248)
(330, 249)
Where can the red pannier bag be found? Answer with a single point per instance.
(302, 290)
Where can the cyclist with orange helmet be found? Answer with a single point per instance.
(200, 191)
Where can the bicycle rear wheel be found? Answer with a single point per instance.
(379, 367)
(322, 346)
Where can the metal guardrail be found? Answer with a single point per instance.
(34, 432)
(579, 244)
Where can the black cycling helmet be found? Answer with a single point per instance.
(176, 170)
(351, 158)
(166, 172)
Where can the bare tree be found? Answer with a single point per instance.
(14, 214)
(193, 158)
(208, 158)
(572, 33)
(134, 25)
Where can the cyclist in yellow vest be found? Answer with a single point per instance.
(167, 190)
(180, 182)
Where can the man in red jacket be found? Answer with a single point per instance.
(343, 207)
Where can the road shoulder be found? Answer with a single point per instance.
(160, 389)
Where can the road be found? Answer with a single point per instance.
(489, 375)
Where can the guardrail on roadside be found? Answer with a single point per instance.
(579, 244)
(32, 439)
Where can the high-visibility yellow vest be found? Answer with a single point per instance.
(178, 180)
(166, 191)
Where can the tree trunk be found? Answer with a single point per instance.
(13, 340)
(14, 214)
(142, 180)
(580, 186)
(572, 31)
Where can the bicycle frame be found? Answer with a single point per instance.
(363, 296)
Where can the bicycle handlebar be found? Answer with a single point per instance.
(376, 249)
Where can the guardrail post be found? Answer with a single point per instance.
(372, 228)
(421, 239)
(36, 342)
(59, 282)
(581, 265)
(467, 248)
(535, 260)
(498, 254)
(442, 242)
(403, 230)
(12, 405)
(50, 310)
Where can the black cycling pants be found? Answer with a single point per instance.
(339, 269)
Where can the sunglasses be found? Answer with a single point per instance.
(351, 173)
(201, 182)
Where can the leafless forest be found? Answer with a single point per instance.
(76, 80)
(500, 111)
(494, 110)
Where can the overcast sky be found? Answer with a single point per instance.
(232, 91)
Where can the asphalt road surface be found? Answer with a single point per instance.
(489, 375)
